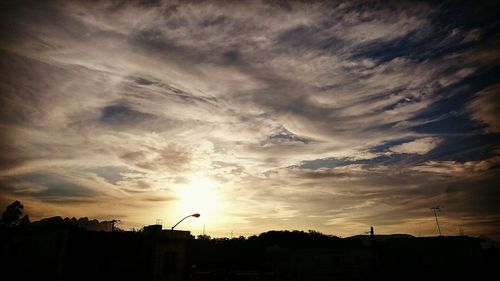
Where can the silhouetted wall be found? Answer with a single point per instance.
(73, 254)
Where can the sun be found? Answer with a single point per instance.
(199, 196)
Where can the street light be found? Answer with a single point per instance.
(193, 215)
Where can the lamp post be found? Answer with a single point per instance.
(193, 215)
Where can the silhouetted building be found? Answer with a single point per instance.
(292, 257)
(75, 254)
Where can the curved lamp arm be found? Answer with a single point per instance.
(193, 215)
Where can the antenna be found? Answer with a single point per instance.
(159, 221)
(436, 210)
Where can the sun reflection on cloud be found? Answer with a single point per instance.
(199, 196)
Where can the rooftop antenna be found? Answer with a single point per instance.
(159, 221)
(436, 210)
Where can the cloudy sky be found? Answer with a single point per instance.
(332, 116)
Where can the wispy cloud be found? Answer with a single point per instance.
(418, 146)
(485, 108)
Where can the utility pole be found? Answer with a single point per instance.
(374, 251)
(436, 209)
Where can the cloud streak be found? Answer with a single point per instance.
(418, 146)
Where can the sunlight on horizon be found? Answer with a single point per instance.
(199, 196)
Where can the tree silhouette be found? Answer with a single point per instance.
(13, 215)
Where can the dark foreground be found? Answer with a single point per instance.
(58, 250)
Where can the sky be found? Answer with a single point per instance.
(259, 115)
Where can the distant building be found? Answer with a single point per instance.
(318, 264)
(74, 254)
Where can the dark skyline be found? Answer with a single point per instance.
(323, 115)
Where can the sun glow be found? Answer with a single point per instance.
(199, 196)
